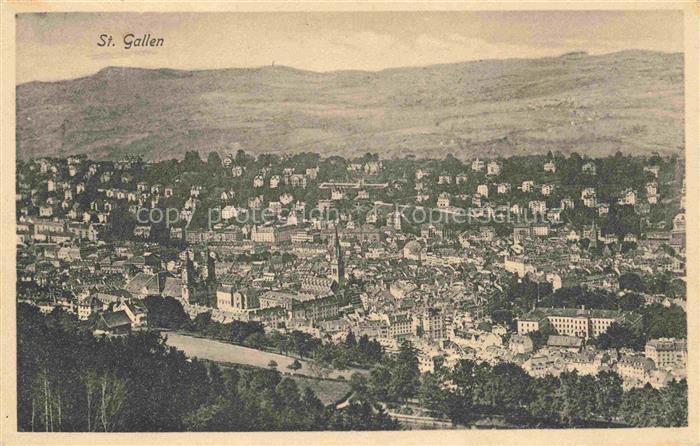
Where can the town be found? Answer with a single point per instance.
(553, 263)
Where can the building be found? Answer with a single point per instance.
(412, 250)
(228, 299)
(521, 232)
(321, 308)
(273, 234)
(570, 343)
(493, 168)
(589, 168)
(443, 200)
(574, 322)
(432, 322)
(667, 352)
(519, 266)
(337, 262)
(678, 231)
(520, 344)
(430, 231)
(113, 323)
(400, 326)
(634, 368)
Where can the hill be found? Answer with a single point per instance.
(630, 101)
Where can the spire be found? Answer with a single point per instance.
(337, 265)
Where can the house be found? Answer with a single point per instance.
(375, 251)
(483, 190)
(298, 180)
(478, 165)
(589, 168)
(136, 312)
(228, 299)
(113, 323)
(236, 171)
(443, 200)
(412, 250)
(87, 306)
(629, 197)
(520, 344)
(493, 169)
(537, 206)
(519, 266)
(566, 203)
(527, 186)
(432, 231)
(143, 284)
(503, 188)
(667, 352)
(635, 368)
(654, 170)
(550, 167)
(400, 326)
(444, 179)
(588, 195)
(337, 194)
(547, 189)
(569, 343)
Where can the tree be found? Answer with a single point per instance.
(619, 336)
(432, 394)
(272, 364)
(350, 340)
(256, 340)
(631, 281)
(608, 394)
(165, 312)
(661, 322)
(379, 378)
(192, 161)
(459, 401)
(295, 365)
(631, 302)
(405, 374)
(213, 159)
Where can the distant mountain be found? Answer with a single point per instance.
(630, 101)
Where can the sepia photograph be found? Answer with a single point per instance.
(337, 220)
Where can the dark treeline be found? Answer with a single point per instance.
(363, 352)
(470, 391)
(69, 380)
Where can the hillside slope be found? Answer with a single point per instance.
(630, 101)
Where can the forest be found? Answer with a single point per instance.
(71, 381)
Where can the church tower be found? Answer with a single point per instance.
(187, 278)
(337, 265)
(594, 240)
(211, 267)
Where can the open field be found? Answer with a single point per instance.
(218, 351)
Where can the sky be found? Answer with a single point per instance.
(56, 46)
